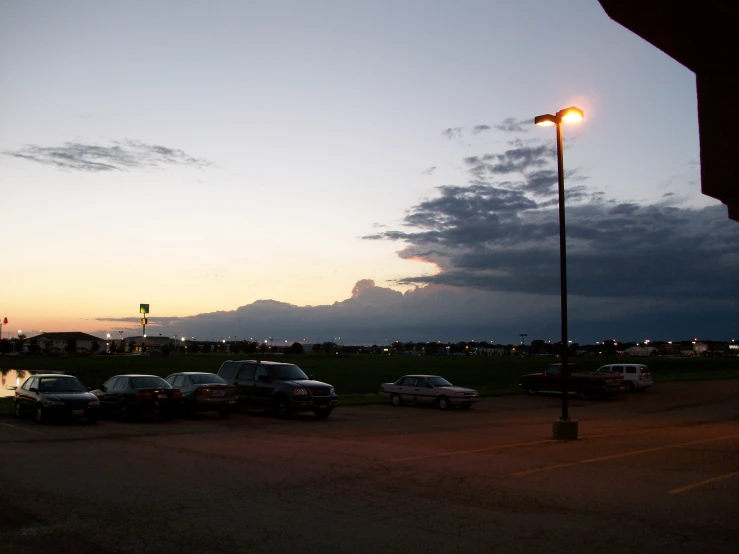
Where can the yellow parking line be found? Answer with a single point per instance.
(706, 482)
(25, 429)
(487, 449)
(616, 456)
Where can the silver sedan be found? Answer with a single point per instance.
(429, 389)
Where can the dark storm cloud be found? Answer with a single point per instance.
(512, 125)
(521, 158)
(120, 156)
(452, 132)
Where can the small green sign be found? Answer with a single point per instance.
(144, 308)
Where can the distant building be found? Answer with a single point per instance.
(640, 351)
(60, 341)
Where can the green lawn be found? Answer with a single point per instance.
(361, 375)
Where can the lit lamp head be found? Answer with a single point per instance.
(571, 114)
(545, 120)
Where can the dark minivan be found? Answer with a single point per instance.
(282, 388)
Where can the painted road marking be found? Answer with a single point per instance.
(456, 452)
(706, 482)
(622, 455)
(504, 446)
(25, 429)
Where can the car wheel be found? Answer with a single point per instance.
(530, 389)
(225, 414)
(443, 403)
(630, 386)
(584, 394)
(41, 415)
(18, 410)
(323, 414)
(395, 399)
(124, 413)
(281, 407)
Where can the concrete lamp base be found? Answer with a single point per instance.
(564, 430)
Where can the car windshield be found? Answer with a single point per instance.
(61, 384)
(206, 379)
(149, 383)
(439, 382)
(287, 372)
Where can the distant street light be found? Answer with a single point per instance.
(570, 114)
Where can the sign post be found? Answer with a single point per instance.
(144, 309)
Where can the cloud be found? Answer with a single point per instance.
(120, 156)
(512, 125)
(521, 158)
(429, 171)
(477, 129)
(452, 133)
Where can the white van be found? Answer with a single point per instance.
(636, 376)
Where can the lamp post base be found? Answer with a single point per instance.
(564, 430)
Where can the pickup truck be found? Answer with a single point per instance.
(585, 385)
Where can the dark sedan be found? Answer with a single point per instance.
(130, 396)
(55, 396)
(204, 392)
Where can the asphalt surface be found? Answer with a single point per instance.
(653, 471)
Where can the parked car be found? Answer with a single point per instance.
(583, 384)
(283, 388)
(636, 376)
(50, 396)
(203, 392)
(428, 389)
(130, 396)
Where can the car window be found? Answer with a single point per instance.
(30, 382)
(149, 382)
(604, 369)
(178, 381)
(247, 372)
(261, 370)
(68, 384)
(553, 370)
(229, 370)
(205, 379)
(287, 372)
(439, 382)
(408, 382)
(617, 369)
(422, 382)
(630, 369)
(121, 383)
(110, 383)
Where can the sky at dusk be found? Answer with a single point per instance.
(312, 169)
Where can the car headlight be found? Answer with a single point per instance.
(300, 392)
(458, 394)
(332, 390)
(94, 403)
(52, 403)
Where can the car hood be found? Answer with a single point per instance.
(456, 389)
(70, 396)
(305, 383)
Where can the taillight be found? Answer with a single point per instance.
(200, 392)
(144, 395)
(176, 395)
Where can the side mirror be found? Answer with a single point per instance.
(310, 376)
(34, 389)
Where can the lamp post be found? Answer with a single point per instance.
(565, 428)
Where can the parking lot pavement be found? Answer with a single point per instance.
(651, 471)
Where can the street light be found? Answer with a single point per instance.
(565, 428)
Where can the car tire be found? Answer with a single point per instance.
(395, 399)
(124, 413)
(281, 407)
(18, 410)
(530, 389)
(224, 414)
(443, 403)
(41, 416)
(323, 414)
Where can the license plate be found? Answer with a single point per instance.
(78, 412)
(219, 393)
(161, 396)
